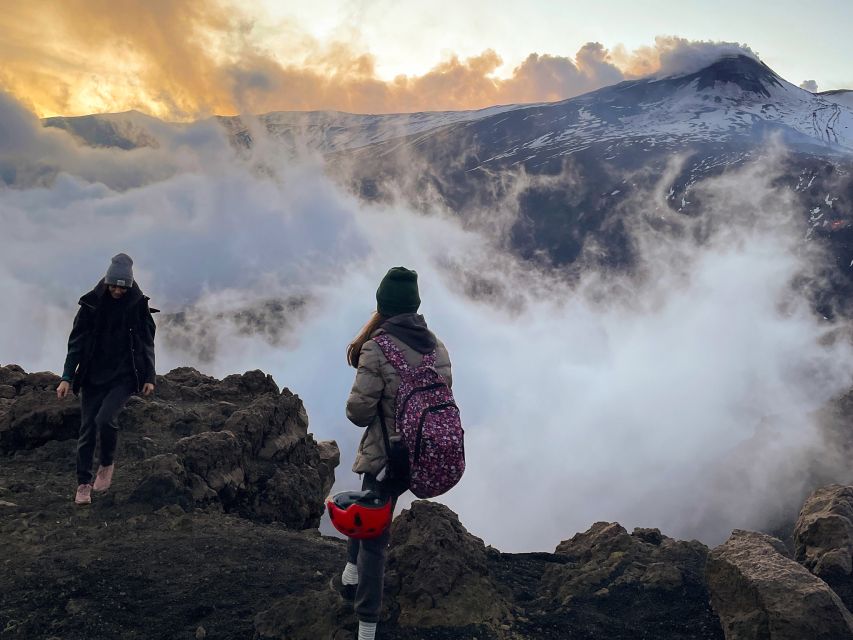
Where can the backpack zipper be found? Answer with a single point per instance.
(435, 409)
(436, 385)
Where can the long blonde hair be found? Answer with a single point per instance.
(354, 348)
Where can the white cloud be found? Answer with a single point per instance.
(681, 397)
(679, 56)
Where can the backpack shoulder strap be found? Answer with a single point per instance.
(392, 353)
(397, 359)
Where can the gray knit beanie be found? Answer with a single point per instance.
(120, 272)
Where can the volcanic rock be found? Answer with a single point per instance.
(652, 580)
(823, 537)
(204, 528)
(30, 412)
(438, 573)
(759, 591)
(257, 458)
(166, 482)
(307, 616)
(237, 444)
(194, 532)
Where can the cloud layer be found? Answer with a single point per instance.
(681, 396)
(184, 60)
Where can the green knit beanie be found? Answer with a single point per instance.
(398, 292)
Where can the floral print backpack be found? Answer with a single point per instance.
(429, 422)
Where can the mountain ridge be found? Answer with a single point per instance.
(748, 74)
(621, 140)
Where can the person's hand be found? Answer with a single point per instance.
(63, 389)
(147, 389)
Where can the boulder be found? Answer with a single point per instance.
(237, 444)
(438, 572)
(823, 538)
(608, 557)
(259, 460)
(270, 426)
(12, 375)
(166, 482)
(760, 592)
(216, 458)
(30, 413)
(330, 458)
(187, 384)
(650, 581)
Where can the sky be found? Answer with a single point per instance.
(186, 60)
(409, 37)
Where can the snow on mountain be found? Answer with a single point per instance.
(323, 131)
(595, 151)
(618, 139)
(333, 131)
(127, 130)
(843, 97)
(736, 97)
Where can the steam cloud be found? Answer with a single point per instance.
(682, 396)
(674, 56)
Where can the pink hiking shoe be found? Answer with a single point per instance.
(84, 494)
(104, 478)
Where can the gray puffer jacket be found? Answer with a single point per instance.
(376, 383)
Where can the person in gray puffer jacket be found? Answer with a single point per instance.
(375, 390)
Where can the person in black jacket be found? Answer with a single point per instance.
(110, 357)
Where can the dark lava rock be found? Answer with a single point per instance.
(167, 482)
(438, 586)
(317, 614)
(203, 530)
(438, 573)
(256, 459)
(823, 537)
(236, 444)
(30, 412)
(760, 592)
(97, 573)
(655, 583)
(158, 556)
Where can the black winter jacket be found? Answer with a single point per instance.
(87, 327)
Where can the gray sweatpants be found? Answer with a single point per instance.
(369, 556)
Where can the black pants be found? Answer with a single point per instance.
(100, 406)
(369, 556)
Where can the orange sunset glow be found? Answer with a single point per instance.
(184, 60)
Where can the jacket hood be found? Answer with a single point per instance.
(94, 297)
(412, 329)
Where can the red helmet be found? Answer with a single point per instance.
(359, 514)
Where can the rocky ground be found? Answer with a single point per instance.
(210, 531)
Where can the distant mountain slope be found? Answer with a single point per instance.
(734, 99)
(843, 97)
(571, 168)
(324, 131)
(568, 169)
(128, 130)
(735, 96)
